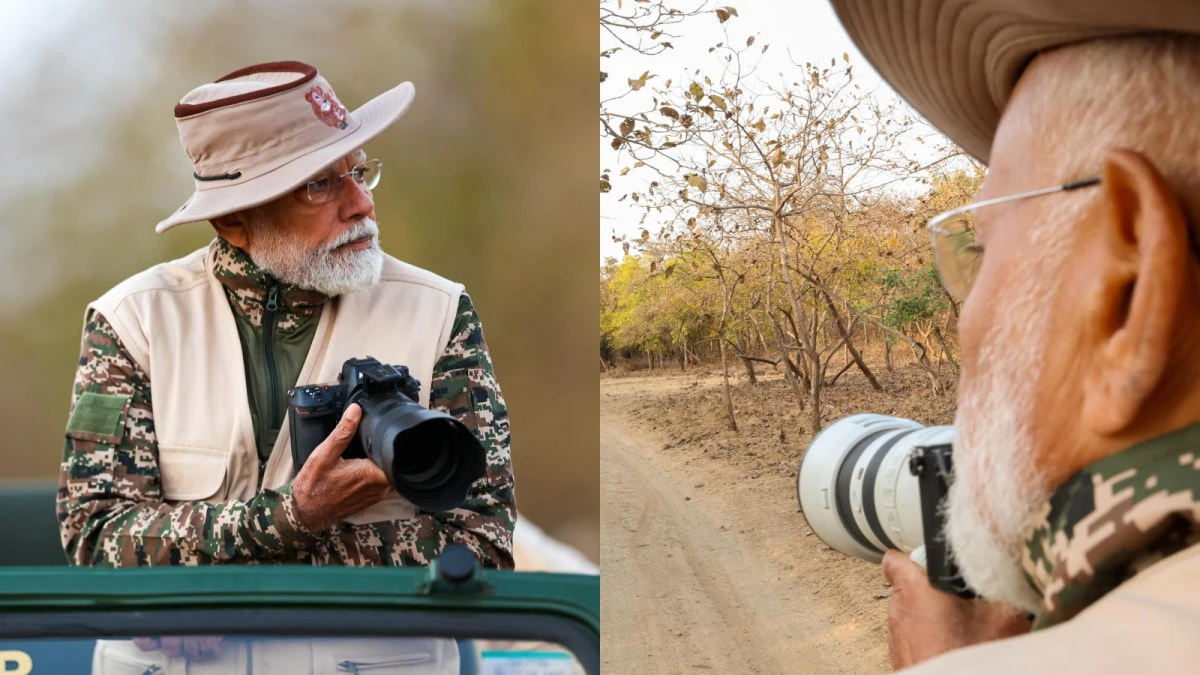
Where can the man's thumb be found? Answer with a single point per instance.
(898, 567)
(333, 446)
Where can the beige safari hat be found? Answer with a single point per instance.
(260, 132)
(957, 61)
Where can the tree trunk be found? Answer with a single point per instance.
(937, 332)
(802, 328)
(887, 355)
(603, 365)
(750, 370)
(745, 360)
(837, 321)
(728, 391)
(789, 370)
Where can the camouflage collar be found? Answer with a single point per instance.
(248, 286)
(1112, 520)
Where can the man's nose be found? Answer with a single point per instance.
(355, 200)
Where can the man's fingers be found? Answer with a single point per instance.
(899, 569)
(172, 646)
(328, 452)
(146, 644)
(367, 471)
(193, 648)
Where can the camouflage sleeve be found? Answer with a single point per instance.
(110, 502)
(464, 385)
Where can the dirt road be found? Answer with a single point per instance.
(707, 568)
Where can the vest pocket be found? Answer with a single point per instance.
(191, 474)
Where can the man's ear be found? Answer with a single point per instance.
(233, 229)
(1139, 280)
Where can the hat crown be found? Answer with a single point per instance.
(255, 119)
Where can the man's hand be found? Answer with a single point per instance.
(924, 622)
(329, 488)
(195, 648)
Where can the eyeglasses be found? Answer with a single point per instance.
(327, 188)
(956, 252)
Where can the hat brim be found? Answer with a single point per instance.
(372, 118)
(956, 62)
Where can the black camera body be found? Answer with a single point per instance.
(317, 408)
(933, 467)
(429, 457)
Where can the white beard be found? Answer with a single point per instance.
(997, 492)
(320, 269)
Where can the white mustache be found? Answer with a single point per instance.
(363, 228)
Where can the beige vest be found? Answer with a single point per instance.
(176, 323)
(1149, 624)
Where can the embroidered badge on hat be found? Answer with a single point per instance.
(327, 108)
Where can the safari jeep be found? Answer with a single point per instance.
(491, 622)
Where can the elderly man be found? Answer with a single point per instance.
(178, 450)
(1077, 491)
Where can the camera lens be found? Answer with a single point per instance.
(429, 457)
(855, 489)
(425, 454)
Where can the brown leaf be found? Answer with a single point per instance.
(697, 181)
(686, 121)
(624, 171)
(696, 91)
(668, 111)
(645, 235)
(616, 143)
(718, 101)
(627, 126)
(749, 40)
(722, 15)
(668, 270)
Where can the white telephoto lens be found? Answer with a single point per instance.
(855, 488)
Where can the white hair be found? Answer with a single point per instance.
(1139, 93)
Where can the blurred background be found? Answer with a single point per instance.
(489, 179)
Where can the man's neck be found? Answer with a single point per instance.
(251, 290)
(1113, 519)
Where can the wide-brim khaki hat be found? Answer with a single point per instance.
(261, 132)
(957, 61)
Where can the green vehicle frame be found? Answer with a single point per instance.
(52, 613)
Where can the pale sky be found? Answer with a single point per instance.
(796, 30)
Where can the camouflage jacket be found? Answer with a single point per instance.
(110, 503)
(1114, 519)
